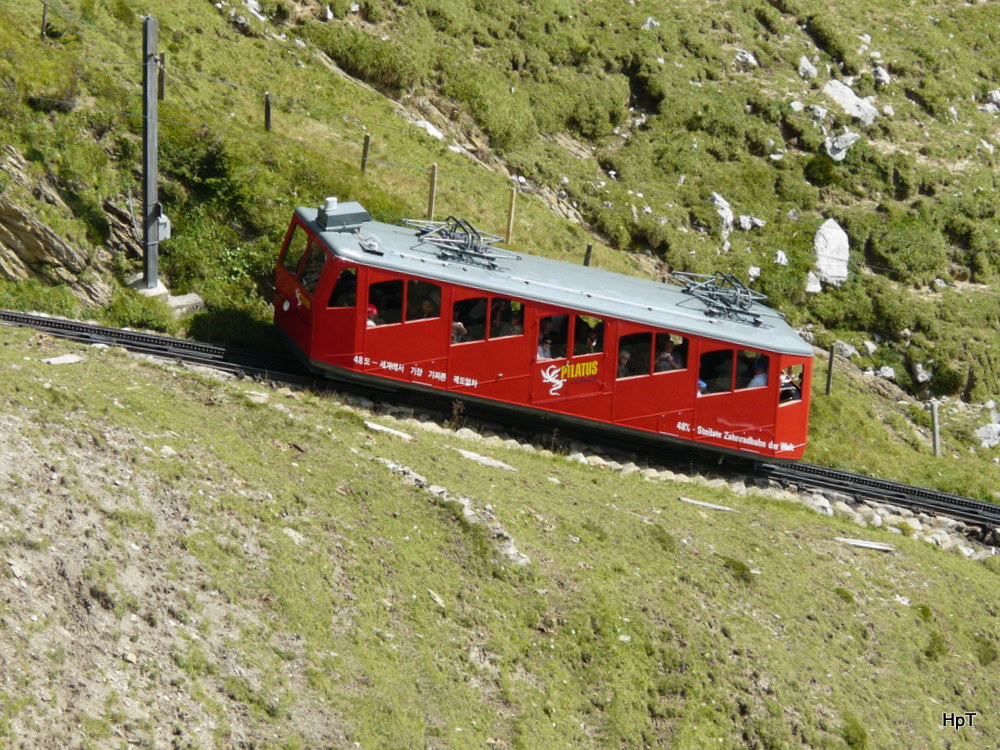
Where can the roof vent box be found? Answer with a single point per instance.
(335, 216)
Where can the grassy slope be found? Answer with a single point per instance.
(273, 582)
(229, 187)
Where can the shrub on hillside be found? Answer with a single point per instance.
(391, 64)
(504, 112)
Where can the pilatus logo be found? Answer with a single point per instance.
(551, 375)
(557, 375)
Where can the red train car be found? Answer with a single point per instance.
(438, 307)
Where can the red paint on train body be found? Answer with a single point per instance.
(393, 311)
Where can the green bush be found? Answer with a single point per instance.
(130, 309)
(739, 569)
(936, 647)
(821, 171)
(844, 594)
(390, 64)
(501, 109)
(947, 381)
(854, 733)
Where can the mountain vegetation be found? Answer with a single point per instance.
(625, 118)
(170, 582)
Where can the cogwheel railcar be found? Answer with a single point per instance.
(439, 308)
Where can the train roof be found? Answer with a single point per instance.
(350, 233)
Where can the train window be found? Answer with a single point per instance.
(468, 320)
(751, 370)
(345, 291)
(295, 250)
(423, 300)
(506, 318)
(633, 354)
(312, 269)
(588, 335)
(552, 336)
(387, 297)
(671, 353)
(791, 383)
(715, 372)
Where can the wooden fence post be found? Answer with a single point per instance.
(364, 153)
(586, 255)
(433, 192)
(510, 215)
(45, 19)
(829, 369)
(935, 426)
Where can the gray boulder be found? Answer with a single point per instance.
(854, 105)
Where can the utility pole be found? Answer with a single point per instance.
(150, 197)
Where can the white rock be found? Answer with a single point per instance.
(870, 346)
(753, 273)
(837, 147)
(725, 212)
(432, 131)
(850, 102)
(832, 252)
(846, 350)
(485, 460)
(813, 284)
(806, 69)
(882, 77)
(294, 535)
(780, 258)
(886, 372)
(842, 509)
(989, 435)
(650, 23)
(920, 373)
(65, 359)
(743, 57)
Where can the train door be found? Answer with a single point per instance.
(490, 352)
(737, 397)
(300, 267)
(572, 372)
(792, 421)
(335, 310)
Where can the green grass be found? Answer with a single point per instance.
(313, 588)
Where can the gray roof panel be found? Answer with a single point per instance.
(553, 282)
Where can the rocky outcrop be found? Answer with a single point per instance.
(29, 248)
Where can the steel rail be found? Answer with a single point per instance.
(863, 488)
(194, 352)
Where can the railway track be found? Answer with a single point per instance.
(973, 512)
(985, 516)
(238, 361)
